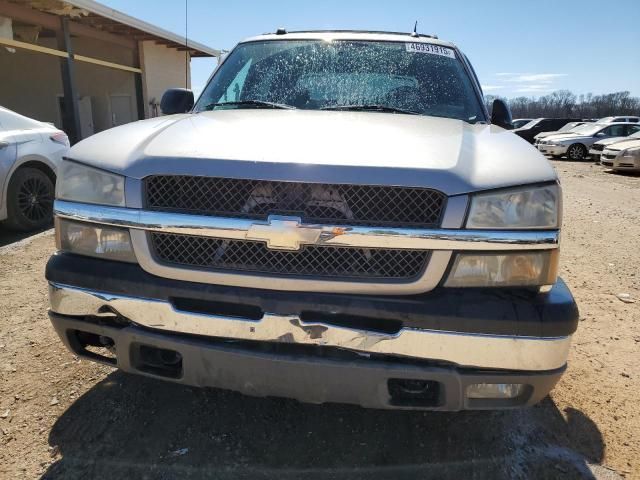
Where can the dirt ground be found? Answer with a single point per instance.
(61, 417)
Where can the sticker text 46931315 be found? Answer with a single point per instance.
(431, 49)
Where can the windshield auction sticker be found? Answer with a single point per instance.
(430, 49)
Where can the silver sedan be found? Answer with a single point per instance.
(575, 145)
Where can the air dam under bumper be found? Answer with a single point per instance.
(307, 378)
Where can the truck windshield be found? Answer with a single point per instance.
(388, 77)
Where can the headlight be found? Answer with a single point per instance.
(93, 240)
(631, 153)
(532, 207)
(80, 183)
(527, 269)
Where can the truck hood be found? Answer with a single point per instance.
(320, 146)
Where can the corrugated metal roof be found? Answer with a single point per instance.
(119, 17)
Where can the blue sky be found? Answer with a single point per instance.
(518, 47)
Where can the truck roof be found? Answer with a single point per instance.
(282, 34)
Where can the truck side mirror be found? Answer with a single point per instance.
(501, 115)
(176, 100)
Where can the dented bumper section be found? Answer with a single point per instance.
(467, 349)
(480, 329)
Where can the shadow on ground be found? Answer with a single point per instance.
(135, 427)
(623, 173)
(9, 236)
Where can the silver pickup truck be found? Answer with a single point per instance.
(336, 219)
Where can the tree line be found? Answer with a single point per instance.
(564, 103)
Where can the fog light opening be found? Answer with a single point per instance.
(495, 391)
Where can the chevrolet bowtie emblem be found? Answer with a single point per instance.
(286, 233)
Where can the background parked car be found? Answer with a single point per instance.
(576, 145)
(30, 152)
(631, 119)
(569, 127)
(622, 156)
(520, 122)
(539, 125)
(600, 145)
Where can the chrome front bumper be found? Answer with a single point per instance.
(462, 349)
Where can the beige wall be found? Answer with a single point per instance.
(30, 82)
(162, 68)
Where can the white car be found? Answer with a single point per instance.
(629, 119)
(598, 147)
(569, 127)
(30, 152)
(622, 156)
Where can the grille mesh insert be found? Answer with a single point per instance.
(314, 203)
(318, 261)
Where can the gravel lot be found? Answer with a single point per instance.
(61, 417)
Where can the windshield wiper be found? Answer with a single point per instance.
(250, 103)
(370, 108)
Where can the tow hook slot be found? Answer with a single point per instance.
(406, 392)
(156, 361)
(97, 347)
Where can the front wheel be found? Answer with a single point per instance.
(29, 200)
(577, 151)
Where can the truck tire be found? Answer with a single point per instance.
(577, 151)
(29, 200)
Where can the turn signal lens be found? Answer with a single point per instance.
(504, 270)
(94, 240)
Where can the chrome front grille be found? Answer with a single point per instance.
(317, 261)
(316, 203)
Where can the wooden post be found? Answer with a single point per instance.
(71, 120)
(138, 83)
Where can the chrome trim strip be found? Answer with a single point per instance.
(472, 350)
(334, 235)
